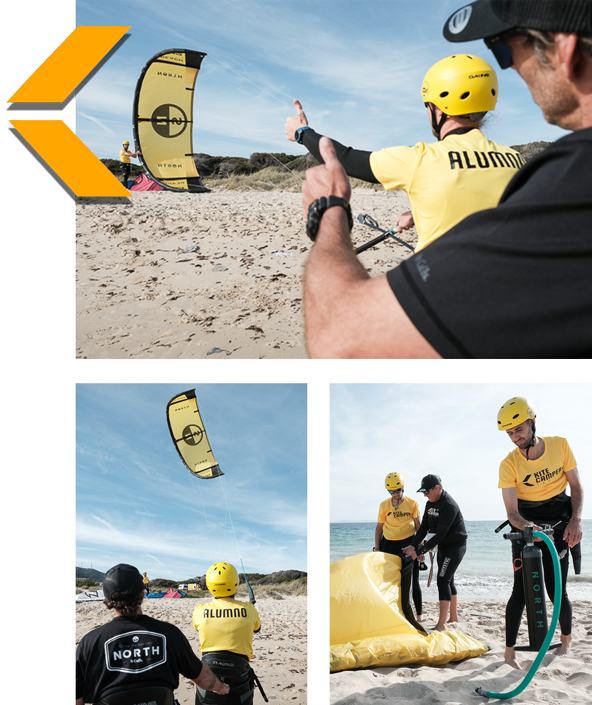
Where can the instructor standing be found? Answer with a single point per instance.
(135, 658)
(533, 479)
(443, 526)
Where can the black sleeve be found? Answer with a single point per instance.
(421, 532)
(355, 162)
(460, 291)
(447, 516)
(189, 665)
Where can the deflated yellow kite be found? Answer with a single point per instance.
(189, 436)
(368, 627)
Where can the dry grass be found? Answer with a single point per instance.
(273, 178)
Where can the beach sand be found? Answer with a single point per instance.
(279, 648)
(143, 292)
(559, 680)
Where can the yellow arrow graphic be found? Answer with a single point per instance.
(69, 64)
(71, 160)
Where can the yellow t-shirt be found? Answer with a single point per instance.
(448, 180)
(540, 479)
(124, 156)
(226, 625)
(398, 521)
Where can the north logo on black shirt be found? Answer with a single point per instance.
(135, 652)
(483, 160)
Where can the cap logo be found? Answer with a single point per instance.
(460, 19)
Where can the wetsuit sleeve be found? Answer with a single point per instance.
(355, 161)
(421, 532)
(447, 516)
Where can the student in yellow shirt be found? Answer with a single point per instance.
(398, 520)
(124, 158)
(448, 180)
(533, 479)
(226, 627)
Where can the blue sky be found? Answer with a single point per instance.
(446, 429)
(137, 503)
(357, 67)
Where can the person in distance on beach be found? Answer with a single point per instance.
(134, 653)
(398, 520)
(443, 526)
(226, 627)
(507, 282)
(124, 158)
(447, 180)
(533, 479)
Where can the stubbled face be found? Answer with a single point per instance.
(550, 89)
(521, 435)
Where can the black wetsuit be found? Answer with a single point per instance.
(394, 548)
(444, 519)
(557, 509)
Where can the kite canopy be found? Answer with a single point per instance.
(163, 119)
(368, 627)
(189, 436)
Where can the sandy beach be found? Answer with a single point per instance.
(215, 275)
(558, 680)
(279, 648)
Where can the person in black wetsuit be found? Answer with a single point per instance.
(443, 526)
(135, 658)
(533, 479)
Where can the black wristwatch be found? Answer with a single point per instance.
(318, 207)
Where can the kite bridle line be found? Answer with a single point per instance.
(250, 589)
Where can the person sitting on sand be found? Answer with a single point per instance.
(443, 526)
(446, 181)
(124, 158)
(135, 653)
(533, 479)
(226, 627)
(398, 520)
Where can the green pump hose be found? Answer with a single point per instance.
(554, 619)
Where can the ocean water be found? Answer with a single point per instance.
(486, 570)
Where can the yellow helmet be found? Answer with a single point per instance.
(394, 481)
(126, 142)
(515, 411)
(460, 85)
(222, 579)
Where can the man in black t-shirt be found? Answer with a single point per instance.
(443, 526)
(135, 651)
(507, 282)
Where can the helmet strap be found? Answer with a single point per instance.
(532, 443)
(437, 124)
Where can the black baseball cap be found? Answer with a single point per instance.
(428, 482)
(120, 578)
(489, 18)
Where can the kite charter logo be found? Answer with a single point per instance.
(193, 435)
(169, 120)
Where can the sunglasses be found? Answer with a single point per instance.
(397, 491)
(500, 49)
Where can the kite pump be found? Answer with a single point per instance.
(536, 612)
